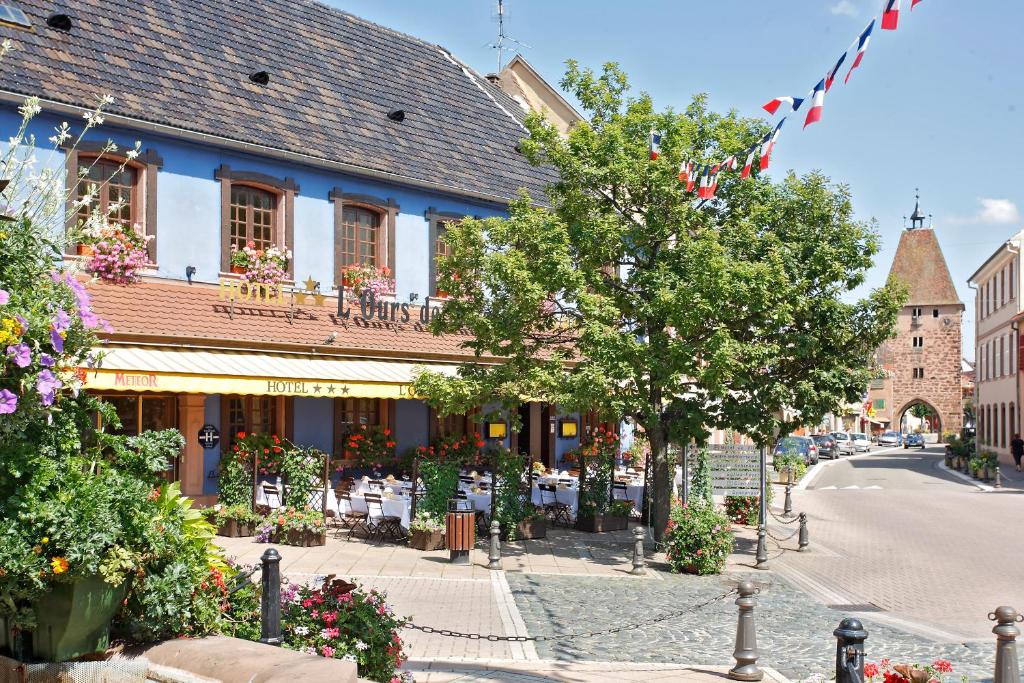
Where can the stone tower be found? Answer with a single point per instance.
(924, 360)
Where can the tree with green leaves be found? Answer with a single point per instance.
(618, 291)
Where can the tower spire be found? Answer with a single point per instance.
(917, 218)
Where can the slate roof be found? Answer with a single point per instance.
(177, 313)
(920, 265)
(333, 79)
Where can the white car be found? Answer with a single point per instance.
(861, 441)
(844, 443)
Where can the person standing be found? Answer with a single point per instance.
(1017, 449)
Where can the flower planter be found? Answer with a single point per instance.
(426, 540)
(238, 270)
(531, 528)
(440, 294)
(785, 477)
(74, 618)
(302, 539)
(85, 250)
(232, 528)
(599, 523)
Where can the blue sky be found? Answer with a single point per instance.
(937, 104)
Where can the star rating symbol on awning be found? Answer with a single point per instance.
(330, 389)
(316, 388)
(344, 390)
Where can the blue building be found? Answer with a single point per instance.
(284, 124)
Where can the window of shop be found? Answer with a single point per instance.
(453, 425)
(140, 413)
(918, 373)
(125, 189)
(249, 414)
(364, 229)
(257, 208)
(352, 413)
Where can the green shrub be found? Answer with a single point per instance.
(698, 539)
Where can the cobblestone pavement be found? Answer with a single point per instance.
(794, 632)
(927, 548)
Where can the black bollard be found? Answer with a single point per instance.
(803, 531)
(787, 507)
(745, 653)
(999, 480)
(638, 552)
(270, 602)
(494, 556)
(761, 556)
(1007, 667)
(850, 637)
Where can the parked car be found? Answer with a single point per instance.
(861, 441)
(844, 442)
(890, 439)
(827, 446)
(804, 445)
(913, 440)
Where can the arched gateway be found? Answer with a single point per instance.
(923, 362)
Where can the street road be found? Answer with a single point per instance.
(911, 544)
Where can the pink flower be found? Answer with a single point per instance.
(327, 651)
(330, 617)
(5, 296)
(307, 603)
(943, 666)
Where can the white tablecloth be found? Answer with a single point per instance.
(568, 496)
(315, 501)
(393, 507)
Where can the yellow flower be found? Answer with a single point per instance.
(59, 564)
(46, 539)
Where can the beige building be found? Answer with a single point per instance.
(923, 361)
(521, 82)
(997, 310)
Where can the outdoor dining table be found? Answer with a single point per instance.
(398, 506)
(568, 496)
(315, 498)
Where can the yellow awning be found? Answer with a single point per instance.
(173, 370)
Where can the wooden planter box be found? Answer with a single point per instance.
(599, 523)
(426, 540)
(532, 528)
(784, 477)
(303, 539)
(232, 528)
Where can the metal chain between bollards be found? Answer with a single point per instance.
(781, 539)
(567, 636)
(850, 637)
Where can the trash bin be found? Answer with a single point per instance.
(460, 530)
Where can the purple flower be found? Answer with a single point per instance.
(61, 320)
(57, 341)
(89, 319)
(47, 386)
(21, 354)
(46, 360)
(5, 296)
(8, 402)
(21, 321)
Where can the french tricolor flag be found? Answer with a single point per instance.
(832, 74)
(691, 179)
(817, 104)
(769, 144)
(891, 15)
(862, 47)
(713, 185)
(745, 173)
(730, 163)
(684, 171)
(773, 106)
(913, 4)
(655, 145)
(705, 184)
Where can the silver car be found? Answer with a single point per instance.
(844, 443)
(861, 441)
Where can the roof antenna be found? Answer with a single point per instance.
(502, 38)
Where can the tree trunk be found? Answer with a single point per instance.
(661, 471)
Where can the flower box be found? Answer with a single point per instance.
(600, 523)
(232, 528)
(785, 477)
(73, 619)
(85, 250)
(302, 539)
(531, 528)
(426, 540)
(238, 270)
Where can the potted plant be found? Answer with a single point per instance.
(887, 671)
(790, 467)
(233, 521)
(426, 532)
(697, 539)
(117, 252)
(369, 446)
(531, 526)
(368, 278)
(260, 266)
(303, 527)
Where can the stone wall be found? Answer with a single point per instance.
(940, 357)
